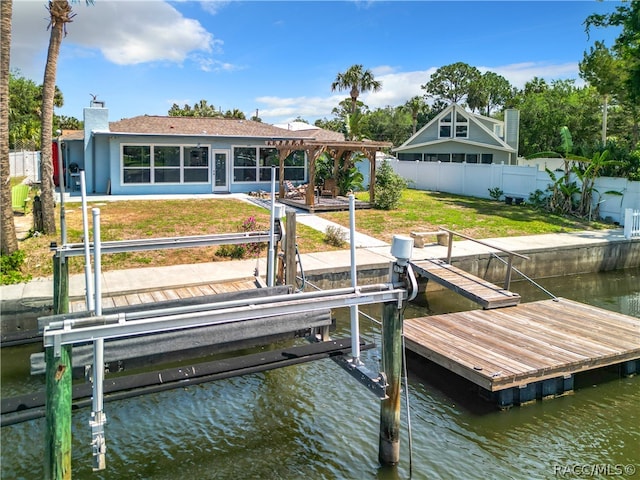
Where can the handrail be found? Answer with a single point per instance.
(507, 280)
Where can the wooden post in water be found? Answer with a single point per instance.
(389, 447)
(58, 412)
(60, 285)
(290, 248)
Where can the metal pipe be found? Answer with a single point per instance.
(97, 259)
(63, 221)
(87, 245)
(355, 327)
(271, 252)
(209, 307)
(98, 374)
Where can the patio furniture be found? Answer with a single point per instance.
(329, 188)
(292, 191)
(19, 197)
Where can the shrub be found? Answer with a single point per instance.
(10, 268)
(244, 250)
(388, 187)
(335, 236)
(495, 193)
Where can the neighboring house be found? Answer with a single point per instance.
(456, 135)
(169, 155)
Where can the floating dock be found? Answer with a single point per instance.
(529, 351)
(469, 286)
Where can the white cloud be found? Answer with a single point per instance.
(398, 87)
(126, 33)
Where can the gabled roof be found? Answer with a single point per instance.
(474, 118)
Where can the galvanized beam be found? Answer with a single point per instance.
(90, 328)
(119, 246)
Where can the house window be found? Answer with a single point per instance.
(136, 164)
(472, 158)
(149, 164)
(497, 130)
(445, 126)
(196, 164)
(444, 157)
(252, 164)
(430, 157)
(487, 158)
(462, 126)
(410, 157)
(457, 157)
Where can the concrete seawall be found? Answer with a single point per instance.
(550, 255)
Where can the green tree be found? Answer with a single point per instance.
(416, 106)
(8, 239)
(235, 113)
(489, 92)
(388, 187)
(357, 81)
(199, 109)
(544, 108)
(452, 82)
(627, 50)
(601, 69)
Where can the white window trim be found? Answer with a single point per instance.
(257, 166)
(152, 168)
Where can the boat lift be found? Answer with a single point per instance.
(60, 333)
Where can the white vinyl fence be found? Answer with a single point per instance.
(25, 164)
(475, 180)
(631, 223)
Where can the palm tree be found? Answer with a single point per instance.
(60, 14)
(415, 105)
(357, 80)
(8, 240)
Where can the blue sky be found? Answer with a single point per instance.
(280, 58)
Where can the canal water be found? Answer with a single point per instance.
(313, 421)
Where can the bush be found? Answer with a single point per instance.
(10, 269)
(496, 193)
(335, 236)
(388, 187)
(244, 250)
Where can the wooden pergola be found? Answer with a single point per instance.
(335, 149)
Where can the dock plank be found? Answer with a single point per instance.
(469, 286)
(512, 347)
(161, 295)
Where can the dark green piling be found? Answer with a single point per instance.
(58, 412)
(60, 285)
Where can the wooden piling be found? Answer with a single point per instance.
(58, 411)
(60, 285)
(290, 248)
(389, 447)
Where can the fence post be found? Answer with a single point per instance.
(628, 222)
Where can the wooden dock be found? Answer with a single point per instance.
(162, 295)
(529, 351)
(476, 289)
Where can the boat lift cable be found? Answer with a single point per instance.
(406, 392)
(302, 277)
(531, 280)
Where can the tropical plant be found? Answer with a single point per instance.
(566, 196)
(8, 239)
(357, 80)
(415, 106)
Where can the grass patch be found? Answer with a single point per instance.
(476, 217)
(418, 210)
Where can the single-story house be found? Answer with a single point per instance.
(188, 155)
(456, 135)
